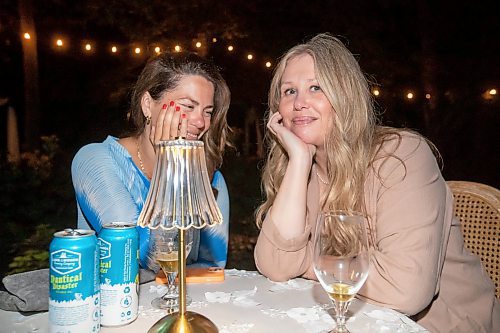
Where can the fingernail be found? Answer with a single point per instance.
(172, 103)
(164, 106)
(177, 108)
(183, 115)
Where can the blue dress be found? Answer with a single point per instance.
(109, 187)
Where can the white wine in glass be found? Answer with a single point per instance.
(341, 259)
(166, 253)
(169, 262)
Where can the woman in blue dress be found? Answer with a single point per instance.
(173, 93)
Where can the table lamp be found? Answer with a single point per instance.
(181, 197)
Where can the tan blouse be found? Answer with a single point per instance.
(419, 265)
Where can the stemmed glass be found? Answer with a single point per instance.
(165, 249)
(341, 259)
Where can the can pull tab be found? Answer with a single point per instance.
(72, 232)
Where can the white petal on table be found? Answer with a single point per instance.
(295, 284)
(383, 315)
(198, 304)
(390, 321)
(236, 328)
(240, 273)
(244, 293)
(246, 302)
(218, 297)
(159, 289)
(274, 313)
(241, 297)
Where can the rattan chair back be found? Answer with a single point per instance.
(478, 208)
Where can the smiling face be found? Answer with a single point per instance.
(304, 107)
(195, 96)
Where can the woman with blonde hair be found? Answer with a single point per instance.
(327, 152)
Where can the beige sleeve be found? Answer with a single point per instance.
(280, 259)
(408, 206)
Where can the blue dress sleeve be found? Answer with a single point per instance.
(101, 194)
(214, 240)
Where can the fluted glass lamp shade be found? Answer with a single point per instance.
(180, 195)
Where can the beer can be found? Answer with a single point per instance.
(119, 270)
(74, 282)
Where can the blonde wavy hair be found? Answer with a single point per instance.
(353, 143)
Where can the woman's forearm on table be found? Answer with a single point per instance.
(288, 212)
(281, 259)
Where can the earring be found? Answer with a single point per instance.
(148, 120)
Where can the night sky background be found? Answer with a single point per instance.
(456, 45)
(450, 47)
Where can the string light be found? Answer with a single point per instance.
(376, 92)
(488, 94)
(428, 96)
(409, 95)
(88, 47)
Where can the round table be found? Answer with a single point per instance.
(247, 302)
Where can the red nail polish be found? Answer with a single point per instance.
(177, 108)
(172, 103)
(164, 106)
(183, 115)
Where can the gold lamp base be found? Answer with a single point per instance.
(190, 322)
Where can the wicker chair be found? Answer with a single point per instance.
(478, 208)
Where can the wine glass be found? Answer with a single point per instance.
(165, 249)
(341, 259)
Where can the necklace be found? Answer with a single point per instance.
(141, 165)
(321, 179)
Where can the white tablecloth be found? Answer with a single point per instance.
(247, 302)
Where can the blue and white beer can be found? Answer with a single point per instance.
(74, 282)
(119, 269)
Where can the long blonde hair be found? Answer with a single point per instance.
(352, 144)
